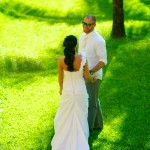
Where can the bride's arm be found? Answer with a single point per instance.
(60, 75)
(87, 74)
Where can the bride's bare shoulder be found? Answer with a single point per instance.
(61, 58)
(78, 56)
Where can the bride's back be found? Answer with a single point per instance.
(76, 63)
(74, 81)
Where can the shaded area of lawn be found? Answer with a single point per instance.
(138, 29)
(24, 64)
(102, 9)
(137, 11)
(126, 102)
(23, 11)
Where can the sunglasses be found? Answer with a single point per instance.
(87, 24)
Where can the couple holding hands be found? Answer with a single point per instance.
(79, 77)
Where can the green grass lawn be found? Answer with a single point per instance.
(31, 35)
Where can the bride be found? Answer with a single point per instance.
(70, 122)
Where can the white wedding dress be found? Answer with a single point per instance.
(70, 123)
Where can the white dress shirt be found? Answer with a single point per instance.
(94, 46)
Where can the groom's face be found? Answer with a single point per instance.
(88, 25)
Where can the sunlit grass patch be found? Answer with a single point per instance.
(34, 47)
(111, 133)
(28, 108)
(113, 128)
(31, 38)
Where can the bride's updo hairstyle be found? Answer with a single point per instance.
(69, 43)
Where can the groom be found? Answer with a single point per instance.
(94, 46)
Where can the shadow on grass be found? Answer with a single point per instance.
(24, 64)
(104, 9)
(139, 30)
(101, 9)
(146, 2)
(138, 11)
(22, 11)
(49, 147)
(94, 137)
(23, 70)
(127, 97)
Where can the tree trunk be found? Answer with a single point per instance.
(118, 29)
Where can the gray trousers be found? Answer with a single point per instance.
(95, 118)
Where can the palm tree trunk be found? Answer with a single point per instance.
(118, 29)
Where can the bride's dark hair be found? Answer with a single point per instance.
(69, 43)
